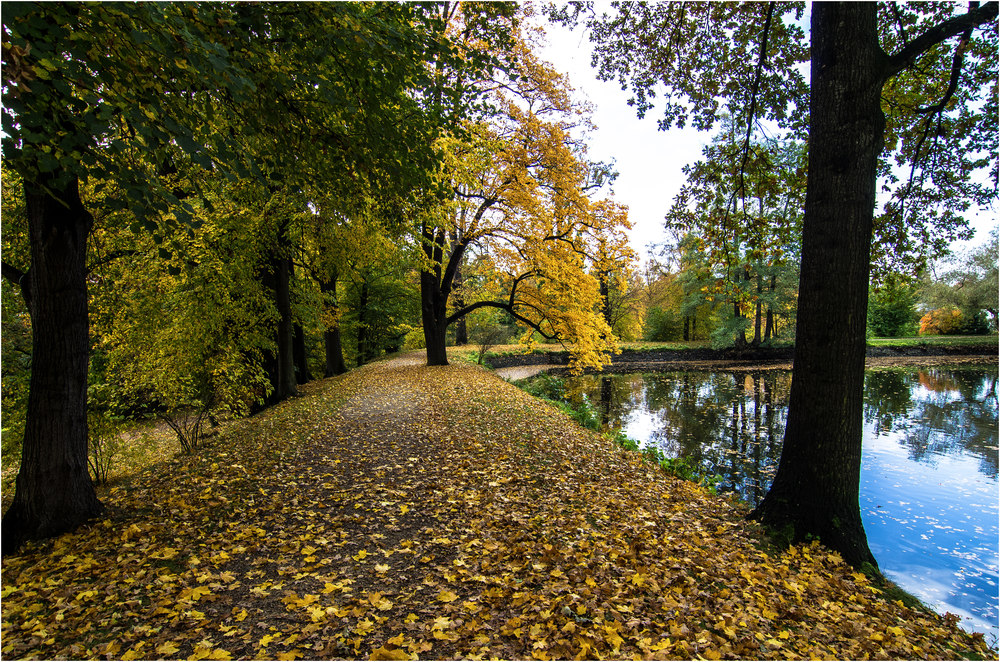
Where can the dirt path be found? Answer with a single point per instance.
(405, 512)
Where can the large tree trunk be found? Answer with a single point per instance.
(301, 356)
(54, 492)
(433, 313)
(815, 490)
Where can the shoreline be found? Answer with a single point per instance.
(522, 366)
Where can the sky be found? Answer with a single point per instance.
(649, 161)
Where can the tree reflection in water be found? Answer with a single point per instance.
(929, 470)
(732, 422)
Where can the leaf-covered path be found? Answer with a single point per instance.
(403, 511)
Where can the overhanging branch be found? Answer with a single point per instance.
(935, 35)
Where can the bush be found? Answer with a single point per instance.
(663, 325)
(941, 322)
(544, 386)
(103, 445)
(891, 312)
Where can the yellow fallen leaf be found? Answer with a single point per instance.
(447, 596)
(293, 654)
(379, 602)
(383, 653)
(381, 568)
(167, 649)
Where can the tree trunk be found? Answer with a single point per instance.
(461, 330)
(433, 313)
(741, 335)
(302, 374)
(687, 322)
(816, 488)
(54, 492)
(365, 345)
(331, 337)
(605, 290)
(769, 329)
(757, 315)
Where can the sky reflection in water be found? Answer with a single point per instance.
(929, 491)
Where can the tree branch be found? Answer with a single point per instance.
(935, 35)
(19, 278)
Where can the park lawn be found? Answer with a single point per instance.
(469, 353)
(933, 341)
(402, 511)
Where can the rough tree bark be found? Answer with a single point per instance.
(816, 488)
(54, 492)
(461, 330)
(434, 316)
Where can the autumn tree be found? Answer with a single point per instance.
(745, 206)
(87, 86)
(970, 287)
(82, 83)
(520, 199)
(874, 74)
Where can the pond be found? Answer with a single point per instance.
(929, 492)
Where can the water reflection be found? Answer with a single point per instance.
(929, 470)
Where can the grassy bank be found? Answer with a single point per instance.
(404, 512)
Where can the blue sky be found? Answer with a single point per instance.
(649, 161)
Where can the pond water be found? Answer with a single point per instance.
(929, 491)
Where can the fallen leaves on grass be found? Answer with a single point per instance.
(403, 512)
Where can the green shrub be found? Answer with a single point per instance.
(103, 445)
(663, 325)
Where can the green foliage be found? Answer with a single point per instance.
(891, 309)
(15, 368)
(970, 287)
(663, 325)
(104, 445)
(544, 386)
(729, 326)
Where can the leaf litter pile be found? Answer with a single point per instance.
(407, 512)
